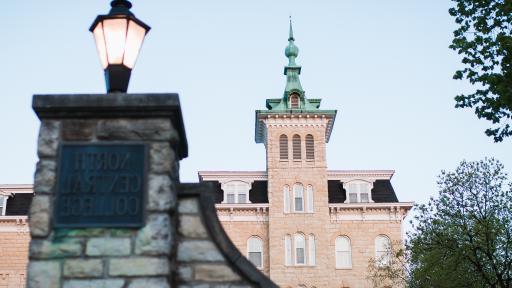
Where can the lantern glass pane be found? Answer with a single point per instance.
(100, 44)
(115, 37)
(134, 39)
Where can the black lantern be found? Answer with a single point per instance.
(119, 36)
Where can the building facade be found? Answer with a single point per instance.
(300, 223)
(14, 234)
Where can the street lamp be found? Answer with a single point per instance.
(119, 36)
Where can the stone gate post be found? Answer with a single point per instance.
(103, 214)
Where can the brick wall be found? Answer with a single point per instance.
(13, 259)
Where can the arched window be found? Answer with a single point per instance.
(296, 147)
(310, 147)
(288, 250)
(283, 147)
(382, 250)
(343, 253)
(300, 249)
(311, 250)
(294, 101)
(309, 198)
(298, 197)
(286, 199)
(255, 251)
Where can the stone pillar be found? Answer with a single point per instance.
(107, 256)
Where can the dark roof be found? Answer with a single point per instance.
(382, 192)
(18, 204)
(219, 195)
(257, 194)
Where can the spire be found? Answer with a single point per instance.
(291, 31)
(292, 70)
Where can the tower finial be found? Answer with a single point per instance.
(290, 38)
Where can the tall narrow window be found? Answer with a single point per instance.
(296, 147)
(286, 199)
(255, 251)
(288, 250)
(309, 198)
(310, 147)
(300, 249)
(294, 101)
(382, 250)
(283, 147)
(343, 253)
(298, 197)
(311, 250)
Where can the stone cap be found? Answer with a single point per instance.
(114, 105)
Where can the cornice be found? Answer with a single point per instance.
(9, 189)
(226, 176)
(345, 175)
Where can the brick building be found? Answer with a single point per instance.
(300, 223)
(14, 234)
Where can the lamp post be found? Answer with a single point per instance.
(119, 36)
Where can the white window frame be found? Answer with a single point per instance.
(355, 187)
(255, 245)
(296, 241)
(310, 199)
(236, 188)
(288, 250)
(311, 243)
(292, 96)
(382, 250)
(339, 249)
(296, 191)
(3, 199)
(286, 199)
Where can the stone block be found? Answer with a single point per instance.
(188, 205)
(155, 238)
(215, 273)
(185, 273)
(198, 250)
(136, 129)
(82, 268)
(104, 246)
(45, 249)
(78, 129)
(139, 266)
(44, 179)
(149, 283)
(161, 195)
(39, 216)
(191, 226)
(98, 283)
(48, 139)
(161, 158)
(43, 274)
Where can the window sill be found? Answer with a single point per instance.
(348, 268)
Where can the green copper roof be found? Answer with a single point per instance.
(293, 87)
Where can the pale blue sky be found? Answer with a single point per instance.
(384, 65)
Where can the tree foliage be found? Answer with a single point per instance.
(483, 38)
(396, 271)
(463, 238)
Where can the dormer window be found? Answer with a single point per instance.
(236, 192)
(3, 201)
(358, 191)
(294, 101)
